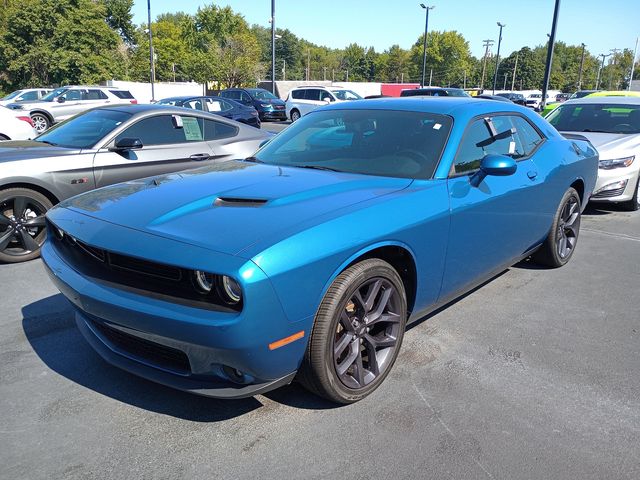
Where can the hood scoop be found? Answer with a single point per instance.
(238, 202)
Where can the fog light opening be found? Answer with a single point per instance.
(234, 374)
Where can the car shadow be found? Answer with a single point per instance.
(602, 209)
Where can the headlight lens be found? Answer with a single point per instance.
(204, 281)
(616, 163)
(231, 289)
(265, 105)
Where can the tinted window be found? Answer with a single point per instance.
(12, 95)
(96, 95)
(218, 105)
(245, 98)
(297, 94)
(122, 93)
(372, 142)
(529, 136)
(56, 93)
(85, 130)
(164, 129)
(215, 130)
(193, 103)
(72, 95)
(261, 94)
(346, 95)
(313, 94)
(232, 94)
(30, 96)
(592, 117)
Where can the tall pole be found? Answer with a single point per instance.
(547, 68)
(504, 87)
(430, 76)
(614, 52)
(495, 76)
(515, 68)
(152, 73)
(273, 46)
(424, 45)
(633, 63)
(600, 70)
(486, 44)
(581, 67)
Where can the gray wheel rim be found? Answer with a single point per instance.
(295, 116)
(568, 227)
(39, 123)
(366, 336)
(21, 226)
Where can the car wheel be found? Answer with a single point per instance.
(22, 226)
(357, 333)
(295, 115)
(633, 204)
(40, 122)
(563, 236)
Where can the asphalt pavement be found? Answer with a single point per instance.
(532, 376)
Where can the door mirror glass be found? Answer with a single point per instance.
(127, 144)
(61, 99)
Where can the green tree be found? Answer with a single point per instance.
(120, 18)
(448, 56)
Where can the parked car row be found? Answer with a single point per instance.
(14, 126)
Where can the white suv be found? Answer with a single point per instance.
(65, 102)
(302, 100)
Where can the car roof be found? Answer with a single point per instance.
(142, 108)
(603, 100)
(442, 105)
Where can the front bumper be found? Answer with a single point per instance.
(621, 193)
(273, 114)
(212, 353)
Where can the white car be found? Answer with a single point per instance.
(25, 95)
(15, 126)
(534, 100)
(612, 125)
(65, 102)
(302, 100)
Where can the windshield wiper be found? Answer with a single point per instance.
(317, 167)
(48, 143)
(253, 160)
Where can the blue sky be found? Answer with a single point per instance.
(602, 25)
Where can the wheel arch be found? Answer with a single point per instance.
(32, 186)
(398, 255)
(43, 112)
(578, 185)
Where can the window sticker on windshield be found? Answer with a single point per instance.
(512, 148)
(437, 126)
(191, 128)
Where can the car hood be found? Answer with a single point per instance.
(613, 145)
(230, 206)
(272, 101)
(28, 149)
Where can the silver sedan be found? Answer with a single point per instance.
(100, 147)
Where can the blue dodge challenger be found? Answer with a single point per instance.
(308, 259)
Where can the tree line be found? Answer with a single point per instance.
(57, 42)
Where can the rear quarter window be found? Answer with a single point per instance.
(122, 93)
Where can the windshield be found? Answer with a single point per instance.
(12, 95)
(346, 95)
(262, 94)
(596, 117)
(386, 143)
(56, 93)
(84, 130)
(456, 92)
(168, 101)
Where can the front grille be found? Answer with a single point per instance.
(609, 193)
(141, 276)
(150, 352)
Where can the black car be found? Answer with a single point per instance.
(269, 106)
(220, 106)
(434, 92)
(499, 98)
(514, 97)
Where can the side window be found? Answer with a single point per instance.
(312, 94)
(469, 153)
(29, 96)
(96, 95)
(72, 95)
(245, 98)
(298, 94)
(194, 103)
(163, 130)
(215, 130)
(508, 143)
(529, 136)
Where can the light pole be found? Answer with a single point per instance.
(486, 44)
(633, 63)
(601, 67)
(547, 68)
(151, 62)
(424, 45)
(273, 46)
(495, 76)
(581, 66)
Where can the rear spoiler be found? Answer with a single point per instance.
(580, 143)
(574, 136)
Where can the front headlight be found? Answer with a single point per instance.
(226, 288)
(616, 163)
(231, 289)
(266, 105)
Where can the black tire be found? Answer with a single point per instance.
(21, 237)
(369, 298)
(561, 242)
(633, 204)
(40, 122)
(295, 115)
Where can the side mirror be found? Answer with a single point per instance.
(61, 99)
(327, 99)
(127, 144)
(494, 165)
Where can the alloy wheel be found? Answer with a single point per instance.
(568, 227)
(22, 226)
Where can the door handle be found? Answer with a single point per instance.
(532, 174)
(200, 156)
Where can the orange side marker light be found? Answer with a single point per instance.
(286, 340)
